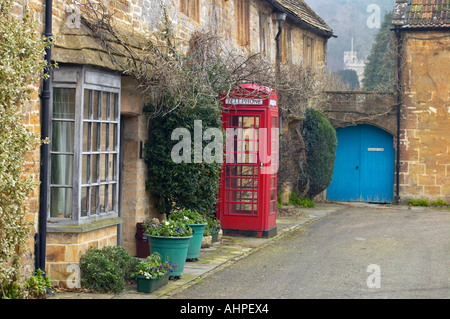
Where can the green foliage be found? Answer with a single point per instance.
(439, 203)
(188, 217)
(107, 269)
(426, 203)
(295, 200)
(34, 287)
(320, 145)
(21, 66)
(213, 226)
(182, 185)
(168, 228)
(349, 77)
(153, 267)
(38, 284)
(379, 70)
(279, 200)
(419, 202)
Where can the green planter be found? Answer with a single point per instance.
(173, 249)
(152, 284)
(195, 244)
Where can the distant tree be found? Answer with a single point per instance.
(349, 77)
(379, 70)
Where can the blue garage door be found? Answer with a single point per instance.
(364, 166)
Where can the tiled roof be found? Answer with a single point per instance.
(422, 13)
(301, 12)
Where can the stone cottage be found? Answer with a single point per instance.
(422, 30)
(92, 174)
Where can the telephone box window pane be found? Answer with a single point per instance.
(274, 121)
(248, 121)
(238, 208)
(247, 170)
(272, 207)
(246, 183)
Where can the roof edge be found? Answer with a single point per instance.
(298, 20)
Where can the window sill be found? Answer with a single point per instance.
(85, 227)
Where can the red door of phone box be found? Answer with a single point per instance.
(248, 183)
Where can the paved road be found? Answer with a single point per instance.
(357, 252)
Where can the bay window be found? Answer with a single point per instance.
(84, 146)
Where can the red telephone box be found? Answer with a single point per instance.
(248, 185)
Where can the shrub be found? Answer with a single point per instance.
(170, 228)
(295, 200)
(439, 203)
(188, 216)
(419, 202)
(182, 185)
(107, 269)
(320, 144)
(212, 227)
(38, 284)
(153, 266)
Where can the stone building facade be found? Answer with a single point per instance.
(96, 183)
(423, 37)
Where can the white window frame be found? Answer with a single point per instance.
(82, 79)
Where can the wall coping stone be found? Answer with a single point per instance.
(86, 227)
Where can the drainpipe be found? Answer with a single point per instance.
(281, 17)
(40, 237)
(399, 105)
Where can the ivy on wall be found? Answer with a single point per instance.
(21, 65)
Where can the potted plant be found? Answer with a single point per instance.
(195, 221)
(170, 239)
(152, 273)
(213, 229)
